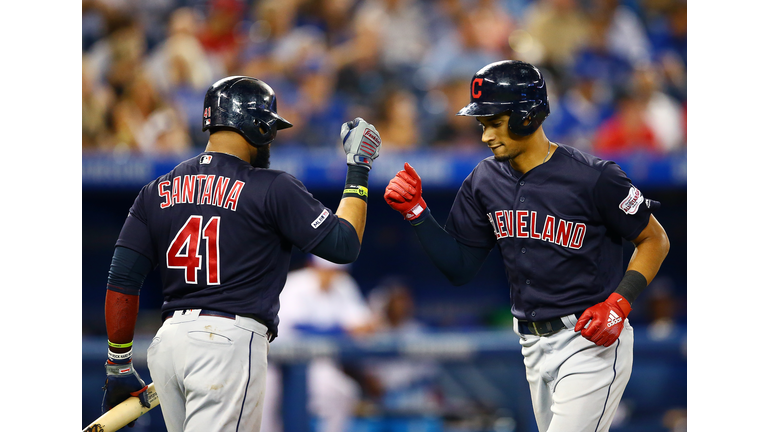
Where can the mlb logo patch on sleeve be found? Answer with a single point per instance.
(632, 202)
(320, 219)
(206, 159)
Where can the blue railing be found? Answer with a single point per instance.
(326, 168)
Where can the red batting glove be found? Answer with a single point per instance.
(607, 320)
(404, 193)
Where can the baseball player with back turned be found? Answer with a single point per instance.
(558, 217)
(220, 228)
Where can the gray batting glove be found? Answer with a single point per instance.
(361, 142)
(122, 382)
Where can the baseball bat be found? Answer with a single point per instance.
(124, 413)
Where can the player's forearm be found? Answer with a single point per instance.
(354, 201)
(354, 211)
(121, 306)
(458, 262)
(120, 313)
(651, 248)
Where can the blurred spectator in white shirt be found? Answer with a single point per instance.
(662, 113)
(320, 299)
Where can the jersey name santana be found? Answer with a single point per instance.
(221, 233)
(201, 189)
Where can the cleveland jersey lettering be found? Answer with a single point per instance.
(523, 224)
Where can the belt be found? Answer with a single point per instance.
(542, 328)
(208, 312)
(205, 312)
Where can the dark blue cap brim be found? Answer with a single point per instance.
(479, 109)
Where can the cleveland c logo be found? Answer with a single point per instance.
(476, 93)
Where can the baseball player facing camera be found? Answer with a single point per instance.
(220, 228)
(558, 217)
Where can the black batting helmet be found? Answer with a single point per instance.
(509, 86)
(246, 105)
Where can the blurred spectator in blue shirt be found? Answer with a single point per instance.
(625, 34)
(668, 31)
(268, 25)
(321, 110)
(401, 29)
(596, 58)
(459, 53)
(586, 104)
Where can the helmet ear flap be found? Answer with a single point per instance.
(263, 132)
(531, 121)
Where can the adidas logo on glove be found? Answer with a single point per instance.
(613, 319)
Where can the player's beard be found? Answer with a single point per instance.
(261, 160)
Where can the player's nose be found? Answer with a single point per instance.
(488, 136)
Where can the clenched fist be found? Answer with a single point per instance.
(361, 142)
(404, 193)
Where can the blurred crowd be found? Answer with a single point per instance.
(615, 69)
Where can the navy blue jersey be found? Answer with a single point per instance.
(221, 233)
(559, 228)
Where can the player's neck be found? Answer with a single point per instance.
(537, 150)
(229, 142)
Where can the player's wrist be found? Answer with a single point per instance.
(631, 285)
(423, 214)
(119, 358)
(364, 162)
(356, 183)
(119, 353)
(621, 302)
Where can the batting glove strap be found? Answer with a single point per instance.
(418, 220)
(414, 214)
(620, 303)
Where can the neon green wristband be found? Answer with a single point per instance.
(116, 345)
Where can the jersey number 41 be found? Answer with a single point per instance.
(184, 250)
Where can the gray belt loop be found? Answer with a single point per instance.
(516, 327)
(570, 320)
